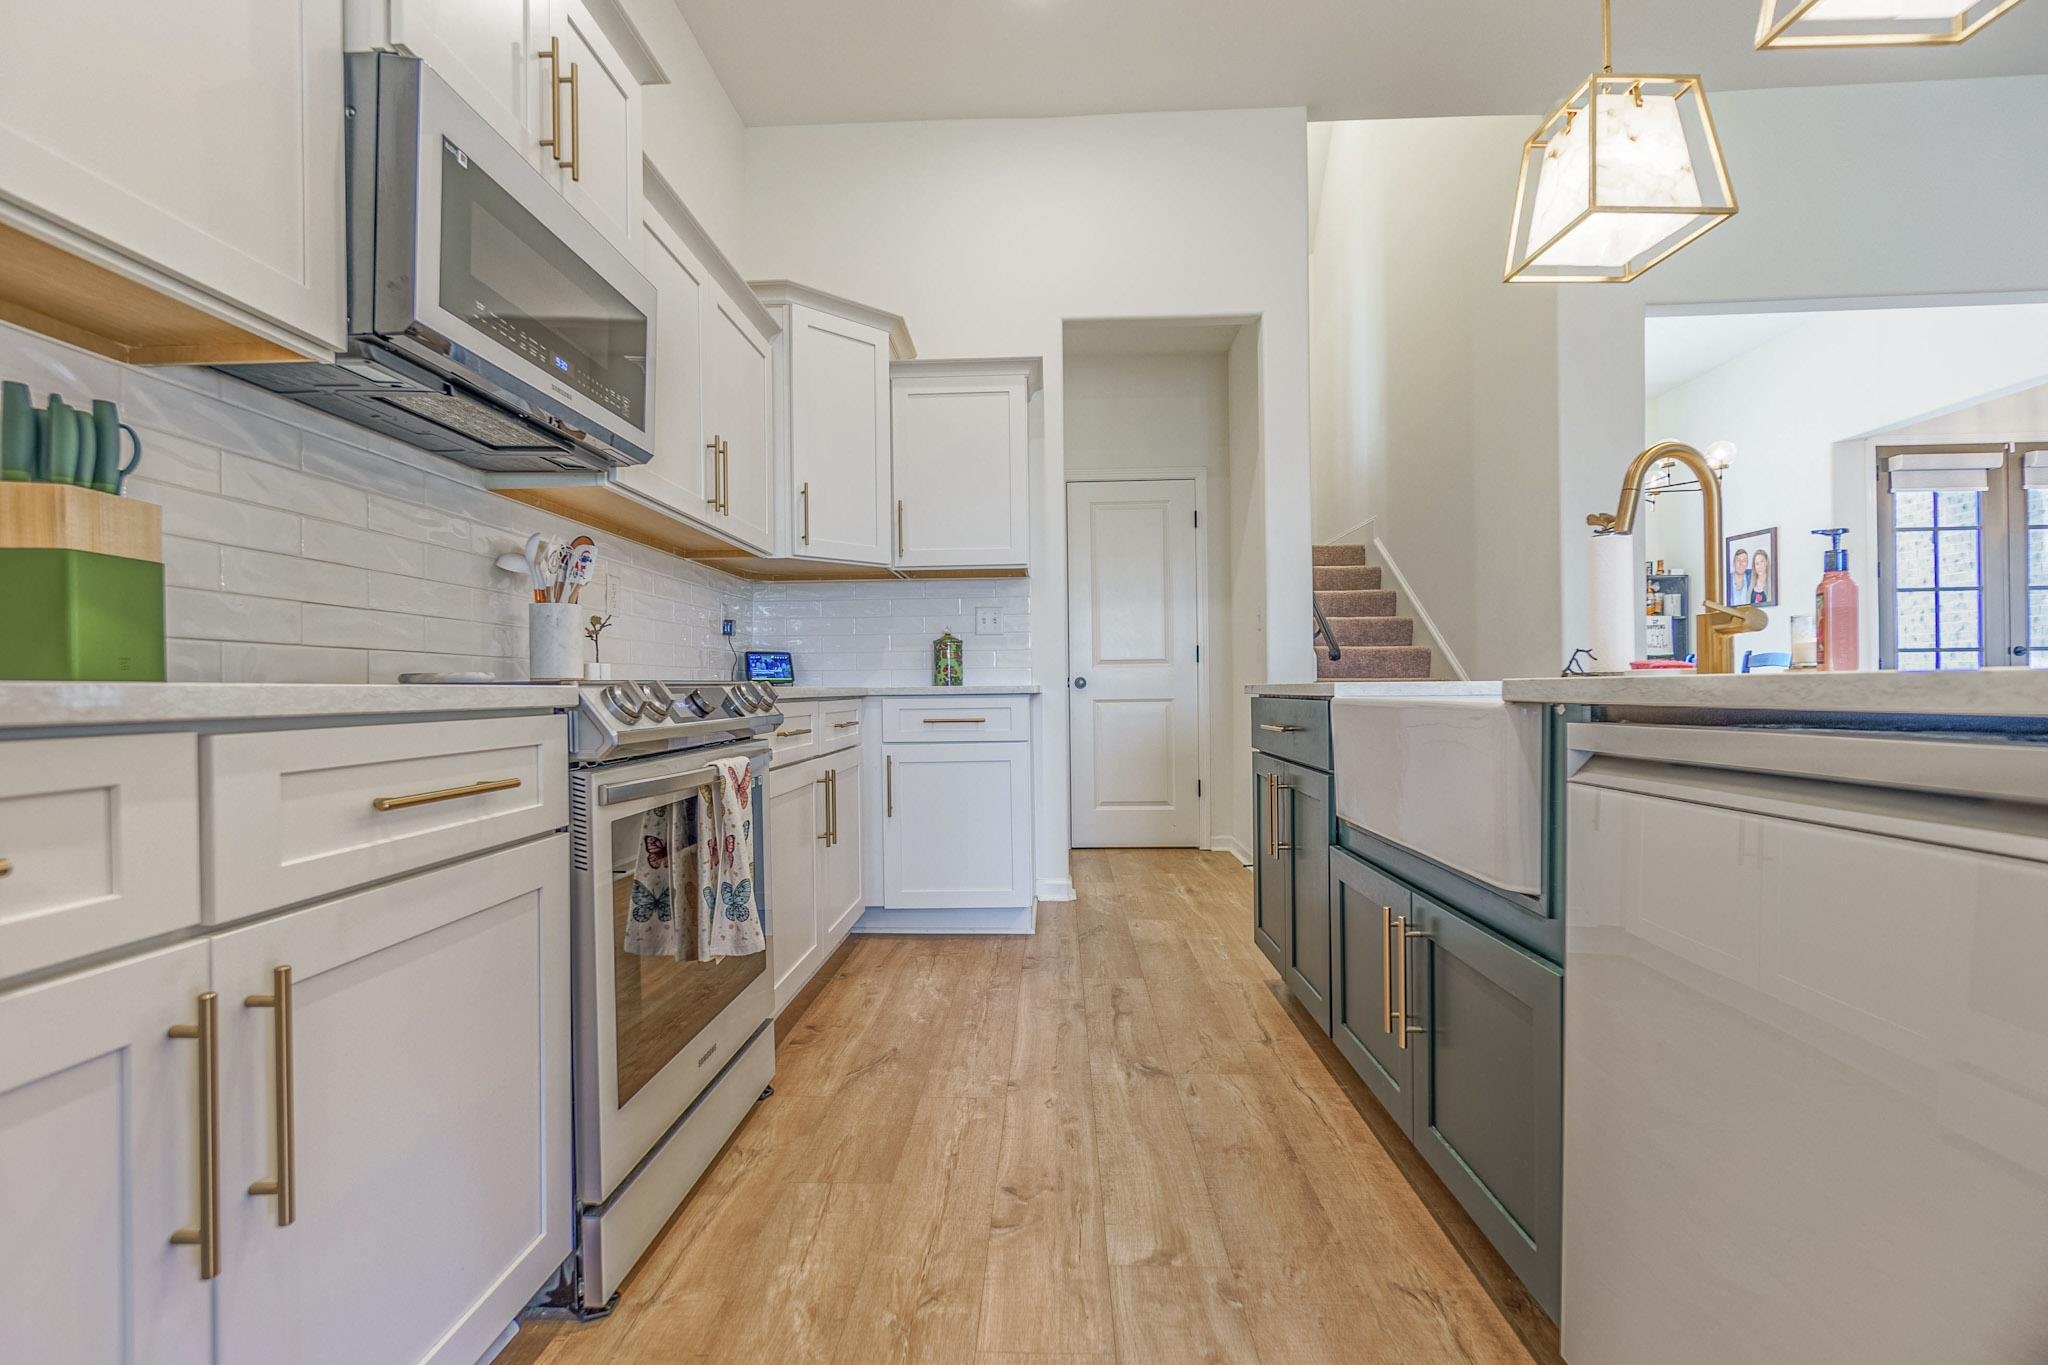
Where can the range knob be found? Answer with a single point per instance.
(626, 707)
(695, 704)
(768, 698)
(660, 701)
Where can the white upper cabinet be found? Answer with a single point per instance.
(595, 157)
(488, 50)
(197, 147)
(679, 475)
(962, 458)
(832, 421)
(737, 423)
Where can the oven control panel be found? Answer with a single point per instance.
(654, 715)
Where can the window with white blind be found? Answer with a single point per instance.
(1963, 556)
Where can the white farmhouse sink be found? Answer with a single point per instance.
(1455, 779)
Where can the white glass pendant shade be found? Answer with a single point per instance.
(1873, 23)
(1624, 173)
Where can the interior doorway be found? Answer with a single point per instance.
(1134, 614)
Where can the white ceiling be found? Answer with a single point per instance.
(852, 61)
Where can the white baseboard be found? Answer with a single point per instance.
(1055, 889)
(1223, 843)
(880, 920)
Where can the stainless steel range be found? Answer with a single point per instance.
(670, 1054)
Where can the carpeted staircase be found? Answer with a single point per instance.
(1373, 641)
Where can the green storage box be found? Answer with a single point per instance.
(74, 615)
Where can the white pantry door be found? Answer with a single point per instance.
(1132, 614)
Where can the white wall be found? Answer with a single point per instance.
(690, 133)
(1929, 189)
(987, 235)
(1838, 376)
(880, 634)
(1434, 384)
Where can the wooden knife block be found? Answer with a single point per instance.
(81, 585)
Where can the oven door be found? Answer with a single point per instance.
(652, 1030)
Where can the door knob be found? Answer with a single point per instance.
(1080, 684)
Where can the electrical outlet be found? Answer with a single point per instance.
(988, 620)
(726, 626)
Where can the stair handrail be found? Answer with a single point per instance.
(1323, 629)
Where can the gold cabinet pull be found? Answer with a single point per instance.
(832, 805)
(553, 57)
(1280, 729)
(899, 526)
(837, 725)
(791, 734)
(575, 122)
(807, 511)
(1399, 1018)
(889, 787)
(825, 780)
(1279, 847)
(501, 784)
(712, 501)
(285, 1186)
(956, 720)
(1271, 852)
(205, 1234)
(6, 867)
(1387, 967)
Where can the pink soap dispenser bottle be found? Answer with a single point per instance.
(1834, 604)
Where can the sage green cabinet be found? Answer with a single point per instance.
(1293, 917)
(1460, 1035)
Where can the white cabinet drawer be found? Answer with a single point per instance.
(292, 815)
(100, 842)
(953, 720)
(839, 724)
(796, 739)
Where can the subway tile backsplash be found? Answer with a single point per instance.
(299, 548)
(880, 634)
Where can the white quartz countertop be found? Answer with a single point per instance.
(1399, 691)
(926, 690)
(44, 704)
(1986, 692)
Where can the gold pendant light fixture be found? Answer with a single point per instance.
(1621, 175)
(1873, 23)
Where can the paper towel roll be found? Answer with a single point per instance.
(1614, 581)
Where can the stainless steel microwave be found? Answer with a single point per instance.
(488, 320)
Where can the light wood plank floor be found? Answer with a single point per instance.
(1114, 1141)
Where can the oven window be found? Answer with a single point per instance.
(661, 1003)
(513, 280)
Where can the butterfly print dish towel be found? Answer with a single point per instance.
(728, 909)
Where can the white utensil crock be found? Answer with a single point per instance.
(554, 650)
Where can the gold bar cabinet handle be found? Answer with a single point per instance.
(575, 122)
(956, 720)
(553, 57)
(1272, 815)
(889, 787)
(1387, 967)
(499, 784)
(1279, 847)
(807, 512)
(1399, 1017)
(724, 476)
(791, 734)
(1280, 729)
(717, 482)
(205, 1234)
(825, 835)
(285, 1187)
(832, 803)
(1407, 1027)
(837, 725)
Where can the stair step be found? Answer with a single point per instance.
(1376, 661)
(1364, 602)
(1373, 630)
(1346, 577)
(1331, 555)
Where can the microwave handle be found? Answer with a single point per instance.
(617, 793)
